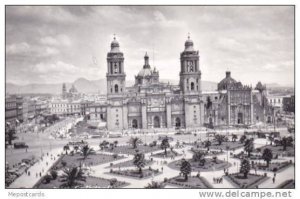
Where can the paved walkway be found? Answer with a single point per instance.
(37, 170)
(28, 181)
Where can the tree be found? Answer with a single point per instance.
(220, 138)
(66, 148)
(72, 177)
(234, 138)
(198, 156)
(103, 144)
(207, 144)
(165, 144)
(139, 161)
(249, 146)
(290, 141)
(76, 148)
(112, 146)
(134, 141)
(10, 135)
(86, 151)
(267, 155)
(185, 169)
(154, 185)
(116, 143)
(242, 139)
(53, 174)
(245, 167)
(284, 143)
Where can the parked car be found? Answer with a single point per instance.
(20, 145)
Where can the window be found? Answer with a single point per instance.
(192, 86)
(116, 88)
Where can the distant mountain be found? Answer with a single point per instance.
(83, 85)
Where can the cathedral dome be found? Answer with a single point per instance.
(189, 44)
(227, 82)
(145, 72)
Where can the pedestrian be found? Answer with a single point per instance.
(273, 180)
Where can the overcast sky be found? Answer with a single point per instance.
(60, 44)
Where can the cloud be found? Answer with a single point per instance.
(250, 40)
(58, 66)
(59, 40)
(18, 48)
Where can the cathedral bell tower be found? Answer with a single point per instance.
(115, 75)
(190, 74)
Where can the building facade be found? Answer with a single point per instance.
(150, 103)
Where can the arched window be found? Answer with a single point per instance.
(116, 88)
(192, 86)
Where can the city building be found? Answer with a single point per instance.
(65, 107)
(150, 103)
(289, 103)
(11, 111)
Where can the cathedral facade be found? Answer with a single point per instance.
(150, 103)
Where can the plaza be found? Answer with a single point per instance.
(113, 165)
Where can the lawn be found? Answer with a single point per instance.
(215, 145)
(91, 160)
(128, 163)
(128, 149)
(252, 181)
(169, 154)
(134, 173)
(278, 150)
(274, 166)
(209, 165)
(91, 182)
(192, 182)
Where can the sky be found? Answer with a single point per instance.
(58, 44)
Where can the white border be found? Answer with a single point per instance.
(130, 193)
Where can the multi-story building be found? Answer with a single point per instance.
(65, 107)
(153, 104)
(11, 111)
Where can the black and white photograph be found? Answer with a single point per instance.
(149, 97)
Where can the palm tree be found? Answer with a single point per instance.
(207, 144)
(71, 177)
(139, 161)
(185, 169)
(86, 151)
(154, 185)
(267, 156)
(242, 139)
(249, 146)
(134, 141)
(220, 138)
(76, 148)
(234, 138)
(103, 144)
(66, 148)
(165, 144)
(245, 167)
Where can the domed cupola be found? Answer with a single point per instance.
(114, 46)
(227, 82)
(189, 44)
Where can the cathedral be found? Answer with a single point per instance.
(150, 103)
